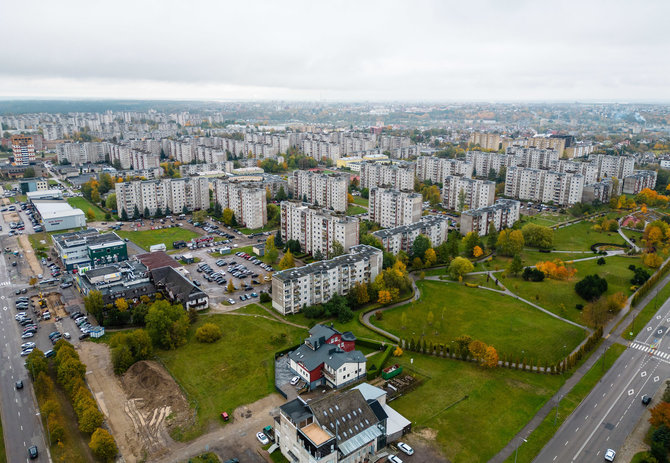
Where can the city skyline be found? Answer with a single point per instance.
(390, 51)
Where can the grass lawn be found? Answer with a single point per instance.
(546, 430)
(209, 457)
(236, 370)
(560, 296)
(145, 239)
(83, 204)
(500, 402)
(634, 236)
(361, 201)
(355, 210)
(3, 455)
(648, 311)
(529, 257)
(52, 182)
(249, 231)
(512, 327)
(580, 237)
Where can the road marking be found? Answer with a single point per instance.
(631, 391)
(608, 438)
(656, 379)
(566, 443)
(603, 394)
(555, 458)
(577, 429)
(586, 417)
(643, 374)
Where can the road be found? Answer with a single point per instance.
(610, 412)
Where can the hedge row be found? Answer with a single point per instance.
(376, 369)
(644, 289)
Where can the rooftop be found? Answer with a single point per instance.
(356, 254)
(499, 204)
(426, 221)
(49, 209)
(157, 259)
(317, 435)
(89, 237)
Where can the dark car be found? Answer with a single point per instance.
(83, 336)
(19, 384)
(646, 400)
(32, 452)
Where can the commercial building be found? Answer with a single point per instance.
(392, 208)
(325, 190)
(88, 248)
(396, 176)
(59, 215)
(436, 169)
(638, 181)
(33, 184)
(503, 214)
(316, 283)
(23, 149)
(129, 280)
(460, 193)
(44, 194)
(545, 186)
(488, 141)
(248, 202)
(316, 228)
(174, 285)
(172, 195)
(397, 239)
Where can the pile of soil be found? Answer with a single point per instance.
(154, 389)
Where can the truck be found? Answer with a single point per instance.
(157, 247)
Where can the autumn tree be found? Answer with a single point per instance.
(90, 215)
(231, 286)
(510, 242)
(651, 259)
(470, 241)
(287, 261)
(477, 350)
(459, 267)
(121, 304)
(477, 251)
(430, 258)
(556, 269)
(103, 446)
(208, 333)
(228, 216)
(271, 251)
(660, 415)
(359, 293)
(384, 297)
(537, 236)
(491, 357)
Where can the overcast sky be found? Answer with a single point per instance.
(337, 50)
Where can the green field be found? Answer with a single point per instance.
(580, 237)
(499, 403)
(545, 431)
(361, 201)
(355, 210)
(529, 257)
(559, 296)
(83, 204)
(145, 239)
(236, 370)
(512, 327)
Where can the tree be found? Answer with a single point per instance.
(538, 236)
(532, 274)
(660, 415)
(384, 297)
(653, 260)
(94, 304)
(359, 293)
(459, 267)
(640, 276)
(591, 287)
(492, 236)
(337, 250)
(452, 244)
(110, 202)
(147, 213)
(477, 251)
(318, 255)
(36, 363)
(287, 261)
(33, 281)
(200, 216)
(430, 258)
(208, 332)
(90, 214)
(167, 324)
(470, 241)
(293, 246)
(510, 242)
(281, 194)
(462, 343)
(419, 247)
(477, 349)
(121, 304)
(491, 357)
(29, 172)
(136, 212)
(516, 265)
(228, 215)
(231, 287)
(103, 446)
(124, 215)
(90, 419)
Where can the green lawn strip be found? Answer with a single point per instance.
(466, 432)
(249, 231)
(633, 235)
(83, 204)
(355, 210)
(361, 201)
(580, 237)
(209, 457)
(647, 312)
(514, 328)
(529, 257)
(546, 430)
(278, 457)
(236, 370)
(559, 296)
(3, 454)
(253, 309)
(167, 236)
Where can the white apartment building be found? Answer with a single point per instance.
(588, 169)
(613, 166)
(555, 143)
(436, 169)
(82, 153)
(503, 214)
(248, 202)
(488, 141)
(544, 186)
(316, 283)
(206, 169)
(174, 195)
(534, 158)
(316, 229)
(599, 191)
(638, 181)
(396, 176)
(325, 190)
(579, 149)
(392, 142)
(23, 149)
(130, 158)
(321, 149)
(483, 162)
(397, 239)
(392, 208)
(474, 193)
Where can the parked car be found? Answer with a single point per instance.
(262, 438)
(83, 336)
(295, 380)
(406, 448)
(394, 459)
(27, 335)
(26, 352)
(646, 399)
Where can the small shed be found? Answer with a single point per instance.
(259, 249)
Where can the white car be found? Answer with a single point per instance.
(394, 459)
(610, 454)
(25, 352)
(19, 316)
(295, 380)
(66, 335)
(262, 438)
(27, 335)
(406, 448)
(27, 345)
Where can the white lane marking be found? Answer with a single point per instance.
(631, 391)
(656, 379)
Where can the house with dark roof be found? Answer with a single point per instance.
(174, 285)
(341, 427)
(327, 358)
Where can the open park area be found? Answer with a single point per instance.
(146, 238)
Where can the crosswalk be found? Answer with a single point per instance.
(654, 352)
(5, 283)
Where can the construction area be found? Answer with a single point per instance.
(29, 255)
(51, 302)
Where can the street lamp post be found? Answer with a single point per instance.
(48, 432)
(516, 454)
(557, 405)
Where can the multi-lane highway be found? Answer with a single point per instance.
(609, 413)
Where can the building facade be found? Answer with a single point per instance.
(172, 195)
(638, 181)
(436, 169)
(88, 248)
(394, 240)
(23, 149)
(460, 193)
(544, 186)
(248, 202)
(396, 176)
(503, 214)
(325, 190)
(392, 208)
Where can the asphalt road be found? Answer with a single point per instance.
(609, 413)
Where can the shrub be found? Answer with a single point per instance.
(532, 274)
(265, 297)
(103, 446)
(579, 306)
(601, 261)
(209, 332)
(640, 276)
(591, 287)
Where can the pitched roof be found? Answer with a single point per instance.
(178, 285)
(158, 259)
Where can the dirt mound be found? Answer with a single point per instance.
(155, 394)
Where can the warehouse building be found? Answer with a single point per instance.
(59, 215)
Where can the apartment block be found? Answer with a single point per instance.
(396, 176)
(397, 239)
(206, 169)
(613, 166)
(248, 202)
(436, 169)
(588, 169)
(535, 158)
(488, 141)
(23, 149)
(82, 153)
(544, 186)
(392, 208)
(472, 193)
(598, 191)
(638, 181)
(578, 150)
(130, 158)
(503, 214)
(321, 149)
(316, 283)
(316, 228)
(554, 143)
(483, 162)
(325, 190)
(174, 195)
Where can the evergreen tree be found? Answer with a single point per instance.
(124, 214)
(184, 210)
(147, 214)
(158, 212)
(492, 237)
(167, 210)
(136, 213)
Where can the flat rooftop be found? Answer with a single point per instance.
(317, 435)
(49, 209)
